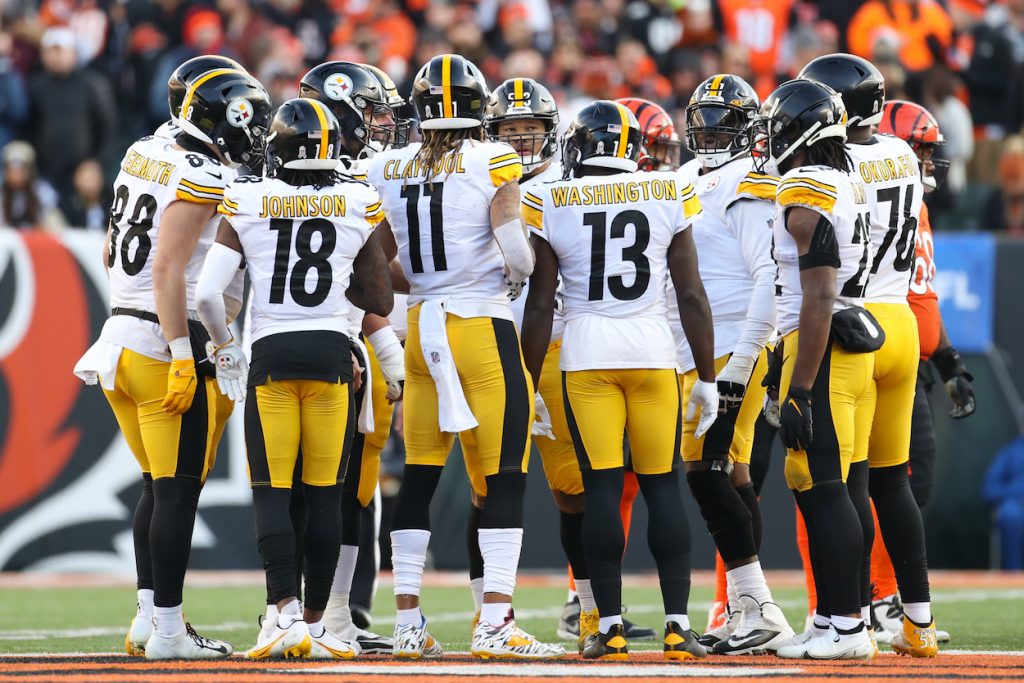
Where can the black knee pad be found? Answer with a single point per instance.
(748, 495)
(476, 558)
(412, 506)
(504, 506)
(322, 543)
(727, 517)
(886, 479)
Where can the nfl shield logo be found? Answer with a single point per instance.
(435, 357)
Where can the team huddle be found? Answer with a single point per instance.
(580, 292)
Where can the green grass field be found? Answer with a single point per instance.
(94, 619)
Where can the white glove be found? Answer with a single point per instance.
(704, 396)
(541, 419)
(771, 412)
(515, 289)
(391, 357)
(232, 368)
(732, 382)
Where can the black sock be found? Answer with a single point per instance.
(476, 559)
(899, 518)
(749, 499)
(175, 500)
(603, 538)
(668, 536)
(141, 521)
(323, 543)
(857, 484)
(572, 543)
(836, 528)
(275, 539)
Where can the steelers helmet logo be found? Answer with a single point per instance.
(338, 86)
(239, 113)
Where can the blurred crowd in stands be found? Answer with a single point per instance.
(81, 79)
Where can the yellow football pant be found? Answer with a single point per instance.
(561, 467)
(895, 382)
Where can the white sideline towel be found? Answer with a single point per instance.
(99, 364)
(453, 413)
(365, 423)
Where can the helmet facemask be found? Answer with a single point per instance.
(933, 168)
(535, 148)
(717, 133)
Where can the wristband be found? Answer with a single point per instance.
(181, 348)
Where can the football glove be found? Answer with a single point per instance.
(957, 380)
(796, 426)
(232, 368)
(515, 289)
(703, 396)
(732, 382)
(181, 386)
(391, 357)
(541, 418)
(771, 411)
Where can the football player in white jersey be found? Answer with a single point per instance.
(305, 231)
(452, 202)
(889, 170)
(616, 236)
(356, 95)
(736, 266)
(150, 358)
(177, 85)
(821, 247)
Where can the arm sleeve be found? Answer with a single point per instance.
(750, 222)
(219, 270)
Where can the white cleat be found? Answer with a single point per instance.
(413, 642)
(186, 645)
(373, 643)
(330, 646)
(887, 615)
(796, 647)
(762, 628)
(282, 643)
(721, 632)
(508, 641)
(884, 637)
(138, 633)
(836, 645)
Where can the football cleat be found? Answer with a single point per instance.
(916, 641)
(371, 643)
(330, 646)
(634, 632)
(732, 621)
(569, 622)
(138, 633)
(941, 636)
(762, 628)
(508, 641)
(718, 614)
(413, 642)
(682, 644)
(589, 621)
(887, 614)
(476, 620)
(835, 645)
(796, 647)
(186, 645)
(338, 618)
(282, 643)
(611, 646)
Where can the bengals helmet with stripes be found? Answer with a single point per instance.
(718, 119)
(661, 147)
(230, 110)
(449, 92)
(604, 134)
(304, 135)
(915, 124)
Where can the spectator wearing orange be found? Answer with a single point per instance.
(921, 28)
(758, 25)
(1004, 210)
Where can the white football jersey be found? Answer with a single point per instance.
(550, 174)
(611, 235)
(299, 245)
(167, 130)
(733, 241)
(889, 170)
(840, 198)
(442, 226)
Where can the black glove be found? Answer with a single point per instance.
(796, 427)
(957, 380)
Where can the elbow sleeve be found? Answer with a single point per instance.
(515, 247)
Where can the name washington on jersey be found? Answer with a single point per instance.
(628, 192)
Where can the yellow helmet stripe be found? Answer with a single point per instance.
(517, 91)
(623, 131)
(446, 86)
(321, 116)
(190, 93)
(715, 88)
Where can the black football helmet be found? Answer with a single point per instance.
(449, 92)
(799, 113)
(398, 105)
(229, 109)
(604, 134)
(357, 98)
(305, 135)
(177, 84)
(524, 98)
(719, 118)
(857, 80)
